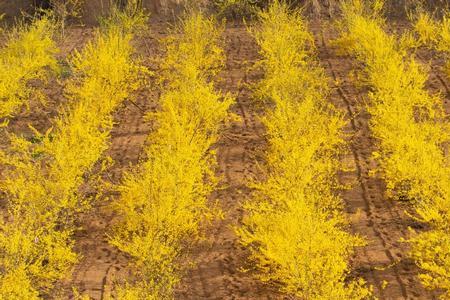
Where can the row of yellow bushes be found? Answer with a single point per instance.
(41, 178)
(29, 53)
(295, 227)
(163, 201)
(412, 132)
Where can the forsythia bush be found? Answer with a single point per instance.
(28, 54)
(163, 201)
(412, 131)
(41, 180)
(295, 227)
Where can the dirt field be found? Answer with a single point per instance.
(220, 259)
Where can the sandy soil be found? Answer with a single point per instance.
(220, 259)
(380, 220)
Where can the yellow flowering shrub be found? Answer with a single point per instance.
(41, 180)
(295, 227)
(444, 35)
(192, 56)
(412, 132)
(430, 252)
(434, 34)
(238, 8)
(163, 201)
(127, 16)
(426, 28)
(28, 54)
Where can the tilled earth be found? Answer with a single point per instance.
(221, 268)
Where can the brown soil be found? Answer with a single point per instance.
(102, 264)
(220, 259)
(380, 220)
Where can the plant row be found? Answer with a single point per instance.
(163, 201)
(294, 226)
(412, 133)
(42, 178)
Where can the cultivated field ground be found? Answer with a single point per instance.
(216, 252)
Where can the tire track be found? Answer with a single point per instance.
(218, 274)
(382, 221)
(100, 263)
